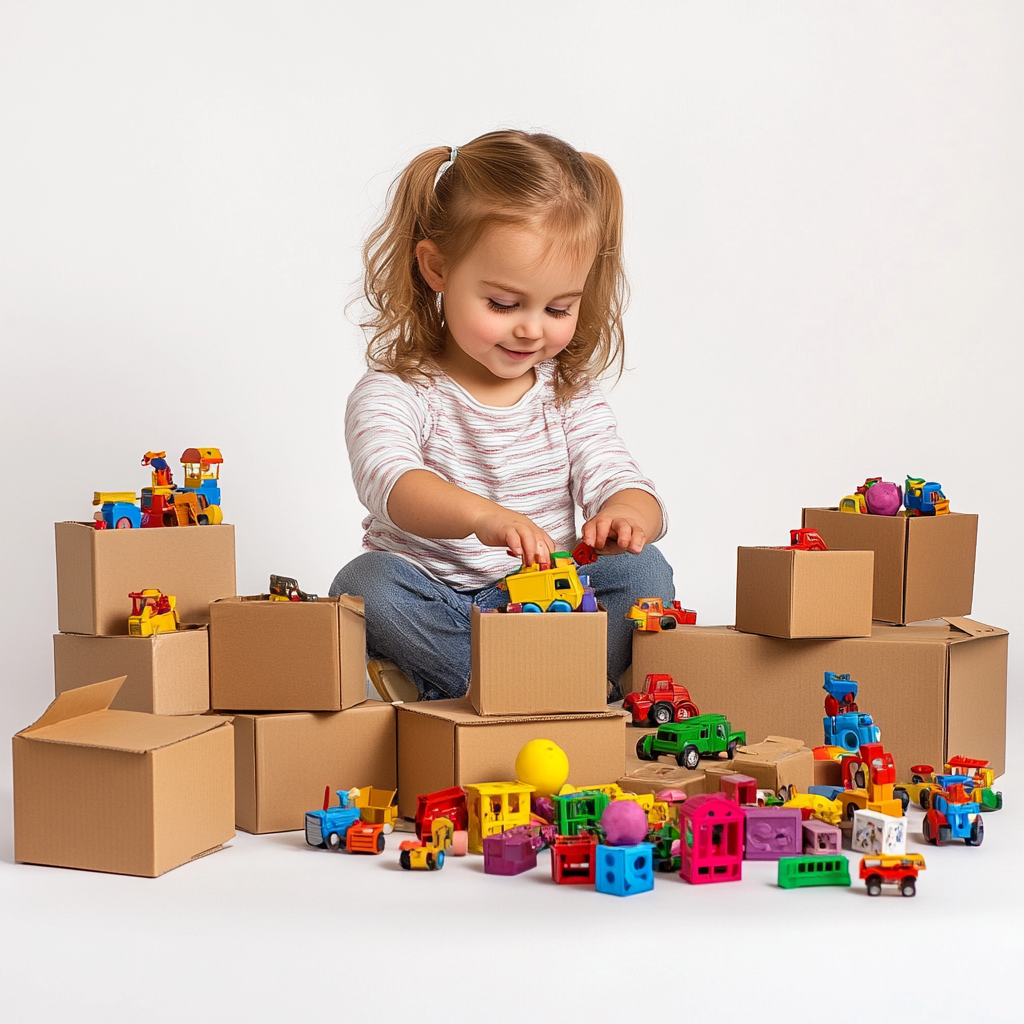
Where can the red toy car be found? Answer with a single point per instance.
(661, 701)
(805, 540)
(651, 613)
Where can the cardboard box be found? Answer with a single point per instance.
(443, 743)
(287, 655)
(924, 565)
(654, 777)
(539, 664)
(97, 569)
(121, 791)
(932, 689)
(803, 593)
(167, 674)
(283, 761)
(773, 763)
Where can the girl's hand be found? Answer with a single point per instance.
(520, 535)
(613, 531)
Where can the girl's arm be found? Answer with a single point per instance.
(626, 522)
(422, 503)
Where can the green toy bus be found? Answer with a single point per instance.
(797, 872)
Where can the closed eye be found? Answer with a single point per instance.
(498, 307)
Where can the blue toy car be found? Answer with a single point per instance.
(329, 826)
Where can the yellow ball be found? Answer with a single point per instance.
(543, 765)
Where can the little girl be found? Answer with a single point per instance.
(497, 290)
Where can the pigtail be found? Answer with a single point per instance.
(406, 324)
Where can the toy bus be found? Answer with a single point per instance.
(798, 872)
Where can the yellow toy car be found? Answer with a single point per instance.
(152, 612)
(828, 811)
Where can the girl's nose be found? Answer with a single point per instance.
(529, 328)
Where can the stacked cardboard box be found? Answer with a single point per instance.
(293, 676)
(533, 677)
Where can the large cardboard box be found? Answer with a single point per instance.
(444, 743)
(924, 565)
(803, 593)
(121, 791)
(284, 761)
(653, 777)
(287, 655)
(538, 664)
(97, 569)
(933, 689)
(168, 674)
(774, 762)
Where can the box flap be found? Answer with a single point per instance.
(130, 731)
(353, 604)
(461, 713)
(972, 628)
(74, 703)
(771, 748)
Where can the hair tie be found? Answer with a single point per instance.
(453, 152)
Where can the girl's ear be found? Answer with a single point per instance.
(431, 264)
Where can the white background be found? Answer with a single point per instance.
(824, 224)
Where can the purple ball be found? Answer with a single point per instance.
(884, 499)
(624, 823)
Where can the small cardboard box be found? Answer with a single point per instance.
(653, 778)
(539, 664)
(168, 674)
(803, 593)
(924, 565)
(775, 762)
(121, 791)
(444, 743)
(287, 655)
(98, 569)
(933, 689)
(284, 761)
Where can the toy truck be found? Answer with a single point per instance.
(118, 510)
(869, 779)
(328, 827)
(285, 588)
(653, 615)
(978, 779)
(891, 870)
(427, 855)
(690, 740)
(447, 803)
(923, 498)
(953, 815)
(152, 612)
(661, 701)
(805, 540)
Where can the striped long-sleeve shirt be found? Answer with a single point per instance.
(534, 457)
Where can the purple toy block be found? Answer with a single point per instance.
(773, 832)
(509, 854)
(821, 838)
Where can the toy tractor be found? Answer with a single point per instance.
(661, 701)
(152, 612)
(653, 615)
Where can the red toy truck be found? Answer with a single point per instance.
(891, 870)
(661, 701)
(651, 613)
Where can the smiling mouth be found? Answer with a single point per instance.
(517, 353)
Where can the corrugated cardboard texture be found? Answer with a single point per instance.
(774, 762)
(538, 664)
(924, 565)
(653, 778)
(911, 682)
(97, 569)
(167, 674)
(444, 743)
(120, 791)
(803, 593)
(284, 761)
(287, 655)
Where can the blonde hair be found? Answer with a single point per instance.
(504, 177)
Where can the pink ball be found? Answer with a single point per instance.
(884, 499)
(624, 823)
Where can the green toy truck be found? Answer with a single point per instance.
(690, 740)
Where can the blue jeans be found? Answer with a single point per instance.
(423, 625)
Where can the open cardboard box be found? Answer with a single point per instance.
(775, 762)
(538, 664)
(121, 791)
(924, 565)
(444, 743)
(284, 761)
(287, 655)
(933, 689)
(98, 569)
(790, 594)
(167, 674)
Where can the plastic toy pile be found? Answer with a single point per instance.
(878, 497)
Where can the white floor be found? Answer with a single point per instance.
(268, 928)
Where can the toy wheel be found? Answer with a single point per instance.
(460, 843)
(559, 606)
(690, 758)
(380, 842)
(925, 799)
(977, 833)
(849, 810)
(730, 751)
(124, 523)
(203, 519)
(904, 798)
(387, 828)
(661, 714)
(641, 753)
(529, 606)
(404, 861)
(874, 884)
(926, 831)
(945, 834)
(333, 841)
(667, 622)
(686, 710)
(908, 887)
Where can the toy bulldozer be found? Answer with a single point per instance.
(152, 612)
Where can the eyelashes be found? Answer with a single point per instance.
(497, 307)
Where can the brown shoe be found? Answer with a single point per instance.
(391, 682)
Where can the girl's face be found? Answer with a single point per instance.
(509, 304)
